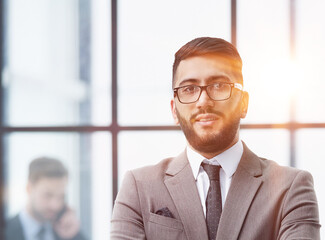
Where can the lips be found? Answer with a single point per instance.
(206, 117)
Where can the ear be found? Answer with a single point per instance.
(244, 104)
(173, 108)
(29, 187)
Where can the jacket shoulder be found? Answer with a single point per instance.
(271, 171)
(151, 172)
(284, 178)
(14, 229)
(270, 167)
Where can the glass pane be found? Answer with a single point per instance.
(311, 156)
(311, 59)
(272, 144)
(101, 185)
(88, 191)
(263, 42)
(138, 149)
(150, 32)
(54, 72)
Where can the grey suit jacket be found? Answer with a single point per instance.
(265, 201)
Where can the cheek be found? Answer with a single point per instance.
(41, 200)
(230, 106)
(234, 113)
(185, 111)
(37, 202)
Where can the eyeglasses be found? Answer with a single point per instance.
(217, 91)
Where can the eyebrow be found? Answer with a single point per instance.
(209, 80)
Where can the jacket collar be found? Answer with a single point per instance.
(244, 186)
(182, 188)
(181, 185)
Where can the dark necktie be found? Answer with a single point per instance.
(41, 233)
(213, 201)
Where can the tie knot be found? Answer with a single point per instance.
(212, 171)
(41, 233)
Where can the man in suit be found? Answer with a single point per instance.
(46, 216)
(217, 188)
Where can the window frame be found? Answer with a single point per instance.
(114, 128)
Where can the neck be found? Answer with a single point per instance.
(209, 155)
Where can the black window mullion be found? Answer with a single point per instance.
(292, 129)
(2, 160)
(115, 126)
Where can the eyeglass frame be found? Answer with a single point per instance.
(239, 86)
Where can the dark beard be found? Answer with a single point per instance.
(39, 216)
(213, 142)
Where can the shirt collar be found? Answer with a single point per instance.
(30, 225)
(228, 159)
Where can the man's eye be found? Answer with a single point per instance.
(219, 85)
(188, 89)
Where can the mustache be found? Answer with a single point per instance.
(205, 111)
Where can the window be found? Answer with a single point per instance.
(93, 87)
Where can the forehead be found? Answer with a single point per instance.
(205, 69)
(50, 184)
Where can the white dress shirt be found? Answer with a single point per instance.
(228, 160)
(31, 227)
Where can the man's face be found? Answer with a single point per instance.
(209, 126)
(46, 198)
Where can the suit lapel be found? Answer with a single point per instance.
(14, 229)
(244, 186)
(181, 185)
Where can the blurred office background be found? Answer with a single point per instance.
(89, 82)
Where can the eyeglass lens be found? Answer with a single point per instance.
(217, 92)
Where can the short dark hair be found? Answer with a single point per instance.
(45, 167)
(209, 46)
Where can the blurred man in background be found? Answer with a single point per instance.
(46, 215)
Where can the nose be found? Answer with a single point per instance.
(55, 204)
(204, 100)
